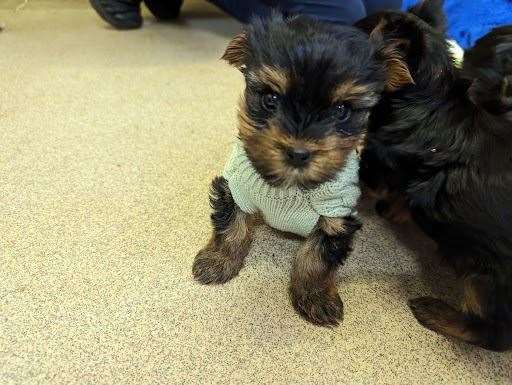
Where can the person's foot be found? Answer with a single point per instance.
(121, 14)
(164, 9)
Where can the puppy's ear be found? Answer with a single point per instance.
(431, 11)
(392, 54)
(237, 52)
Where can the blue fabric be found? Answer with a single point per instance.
(468, 20)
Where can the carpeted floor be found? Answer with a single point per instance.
(108, 141)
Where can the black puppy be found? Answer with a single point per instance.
(441, 151)
(309, 88)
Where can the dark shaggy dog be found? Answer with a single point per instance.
(441, 151)
(309, 90)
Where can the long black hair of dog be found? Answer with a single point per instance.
(443, 145)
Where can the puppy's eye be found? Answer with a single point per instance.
(342, 112)
(270, 102)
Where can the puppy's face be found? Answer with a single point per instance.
(309, 89)
(488, 66)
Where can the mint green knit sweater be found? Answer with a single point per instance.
(291, 209)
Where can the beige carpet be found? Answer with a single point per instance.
(108, 141)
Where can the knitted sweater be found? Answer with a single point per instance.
(292, 209)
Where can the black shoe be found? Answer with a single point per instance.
(121, 14)
(164, 9)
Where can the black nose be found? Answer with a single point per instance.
(298, 157)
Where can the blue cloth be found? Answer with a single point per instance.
(468, 20)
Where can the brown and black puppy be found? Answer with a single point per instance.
(309, 88)
(441, 150)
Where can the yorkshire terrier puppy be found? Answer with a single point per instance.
(309, 88)
(441, 150)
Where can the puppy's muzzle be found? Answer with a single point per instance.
(298, 157)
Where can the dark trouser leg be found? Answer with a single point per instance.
(244, 10)
(313, 289)
(164, 9)
(373, 6)
(125, 14)
(121, 14)
(336, 11)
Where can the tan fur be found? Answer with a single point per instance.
(313, 288)
(398, 74)
(442, 318)
(235, 240)
(309, 265)
(472, 298)
(223, 256)
(453, 329)
(331, 226)
(265, 147)
(359, 95)
(349, 90)
(238, 229)
(361, 144)
(237, 51)
(398, 210)
(275, 78)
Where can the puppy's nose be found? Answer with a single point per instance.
(298, 157)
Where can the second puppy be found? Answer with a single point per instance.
(441, 150)
(309, 89)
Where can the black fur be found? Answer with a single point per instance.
(335, 248)
(222, 204)
(317, 57)
(431, 12)
(446, 142)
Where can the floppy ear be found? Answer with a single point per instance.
(392, 54)
(237, 52)
(431, 11)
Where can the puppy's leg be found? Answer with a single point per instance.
(313, 289)
(394, 207)
(224, 255)
(486, 318)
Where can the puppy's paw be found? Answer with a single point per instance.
(323, 308)
(435, 314)
(212, 267)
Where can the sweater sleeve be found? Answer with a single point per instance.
(239, 174)
(339, 197)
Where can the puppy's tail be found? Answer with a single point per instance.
(431, 11)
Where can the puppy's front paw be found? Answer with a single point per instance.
(212, 267)
(320, 307)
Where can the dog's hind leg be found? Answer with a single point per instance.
(224, 255)
(485, 320)
(394, 207)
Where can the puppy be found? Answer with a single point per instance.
(441, 151)
(309, 88)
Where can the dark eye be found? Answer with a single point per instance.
(342, 112)
(270, 102)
